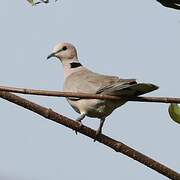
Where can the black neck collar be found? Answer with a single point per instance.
(75, 64)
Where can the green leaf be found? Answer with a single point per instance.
(33, 2)
(174, 112)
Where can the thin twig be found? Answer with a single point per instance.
(116, 145)
(88, 96)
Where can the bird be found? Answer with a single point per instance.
(79, 79)
(175, 4)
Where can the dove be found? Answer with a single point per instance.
(79, 79)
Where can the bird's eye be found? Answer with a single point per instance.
(64, 48)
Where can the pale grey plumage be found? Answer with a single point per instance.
(87, 81)
(81, 79)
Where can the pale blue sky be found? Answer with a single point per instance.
(131, 39)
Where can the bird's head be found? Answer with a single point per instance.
(64, 52)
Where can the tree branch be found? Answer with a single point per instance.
(88, 96)
(116, 145)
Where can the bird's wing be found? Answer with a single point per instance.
(89, 82)
(86, 81)
(128, 89)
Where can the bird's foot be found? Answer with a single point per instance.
(98, 133)
(79, 119)
(80, 125)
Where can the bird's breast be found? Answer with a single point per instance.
(94, 107)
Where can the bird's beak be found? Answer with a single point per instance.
(51, 55)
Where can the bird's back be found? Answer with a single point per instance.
(87, 81)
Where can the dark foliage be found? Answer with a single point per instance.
(175, 4)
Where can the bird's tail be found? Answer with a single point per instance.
(131, 90)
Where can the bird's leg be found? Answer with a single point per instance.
(79, 119)
(99, 130)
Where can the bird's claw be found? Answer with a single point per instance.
(79, 127)
(98, 133)
(79, 120)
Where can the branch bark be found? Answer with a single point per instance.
(114, 144)
(88, 96)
